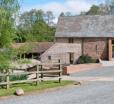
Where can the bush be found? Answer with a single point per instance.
(14, 78)
(18, 77)
(2, 79)
(6, 57)
(86, 59)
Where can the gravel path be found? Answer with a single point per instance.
(98, 92)
(99, 72)
(91, 93)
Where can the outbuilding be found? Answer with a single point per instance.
(91, 35)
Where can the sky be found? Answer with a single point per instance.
(58, 6)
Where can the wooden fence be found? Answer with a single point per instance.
(56, 71)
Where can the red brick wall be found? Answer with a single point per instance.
(80, 67)
(96, 47)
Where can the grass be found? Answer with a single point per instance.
(33, 87)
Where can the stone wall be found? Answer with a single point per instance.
(61, 51)
(94, 47)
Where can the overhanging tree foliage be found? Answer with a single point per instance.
(8, 9)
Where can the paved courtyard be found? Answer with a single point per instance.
(99, 74)
(90, 92)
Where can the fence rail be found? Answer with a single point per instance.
(40, 74)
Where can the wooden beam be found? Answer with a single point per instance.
(110, 49)
(60, 74)
(43, 74)
(7, 81)
(37, 75)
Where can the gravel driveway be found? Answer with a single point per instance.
(97, 92)
(99, 72)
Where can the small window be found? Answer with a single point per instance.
(49, 57)
(71, 40)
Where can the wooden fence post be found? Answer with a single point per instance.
(42, 73)
(8, 80)
(37, 75)
(60, 73)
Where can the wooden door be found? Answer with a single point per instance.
(71, 58)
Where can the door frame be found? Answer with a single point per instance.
(110, 46)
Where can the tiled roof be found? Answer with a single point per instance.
(86, 26)
(38, 47)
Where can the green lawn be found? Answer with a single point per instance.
(33, 87)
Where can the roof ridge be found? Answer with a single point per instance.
(85, 16)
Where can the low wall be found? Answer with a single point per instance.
(81, 67)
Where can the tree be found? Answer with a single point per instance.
(49, 17)
(112, 2)
(62, 14)
(83, 13)
(35, 26)
(8, 9)
(94, 10)
(101, 9)
(68, 14)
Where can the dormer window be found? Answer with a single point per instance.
(71, 40)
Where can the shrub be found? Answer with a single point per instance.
(6, 57)
(14, 78)
(86, 59)
(18, 77)
(2, 79)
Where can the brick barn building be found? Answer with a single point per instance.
(82, 35)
